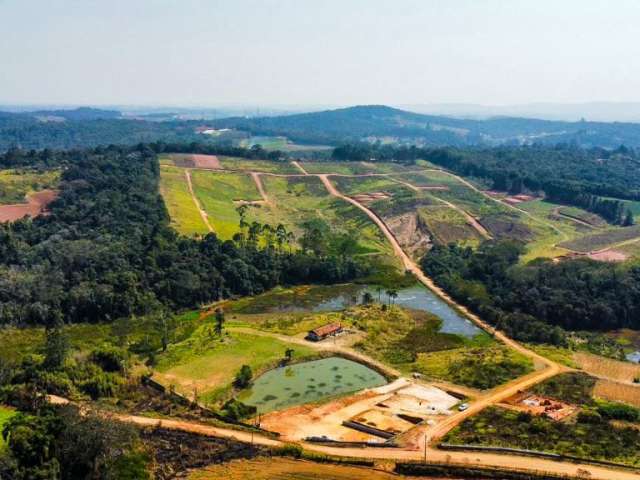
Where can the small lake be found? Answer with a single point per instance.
(309, 382)
(634, 357)
(327, 299)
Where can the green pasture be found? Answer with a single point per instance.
(219, 193)
(267, 166)
(184, 214)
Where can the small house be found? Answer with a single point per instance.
(323, 332)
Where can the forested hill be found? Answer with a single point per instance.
(357, 123)
(106, 250)
(83, 128)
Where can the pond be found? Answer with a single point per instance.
(327, 299)
(309, 382)
(634, 357)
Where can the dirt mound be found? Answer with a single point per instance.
(410, 233)
(36, 205)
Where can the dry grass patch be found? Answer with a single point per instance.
(607, 367)
(617, 392)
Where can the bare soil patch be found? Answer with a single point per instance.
(206, 161)
(36, 205)
(410, 232)
(609, 256)
(189, 160)
(371, 197)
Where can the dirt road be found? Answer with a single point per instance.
(484, 233)
(549, 368)
(299, 167)
(508, 462)
(203, 214)
(260, 187)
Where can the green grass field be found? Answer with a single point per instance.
(355, 185)
(219, 194)
(238, 163)
(5, 415)
(184, 214)
(16, 184)
(206, 363)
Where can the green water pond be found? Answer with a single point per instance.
(309, 382)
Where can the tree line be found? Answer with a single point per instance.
(538, 301)
(106, 249)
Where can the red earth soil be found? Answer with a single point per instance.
(205, 161)
(608, 256)
(36, 204)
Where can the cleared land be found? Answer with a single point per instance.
(608, 368)
(618, 392)
(220, 193)
(15, 185)
(185, 217)
(239, 163)
(599, 241)
(288, 469)
(36, 205)
(205, 364)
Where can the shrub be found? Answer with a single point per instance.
(243, 377)
(619, 411)
(236, 410)
(110, 358)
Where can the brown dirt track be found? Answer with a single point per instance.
(36, 205)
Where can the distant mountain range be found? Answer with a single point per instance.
(65, 128)
(569, 112)
(379, 122)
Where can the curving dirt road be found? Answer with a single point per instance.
(203, 214)
(484, 233)
(550, 368)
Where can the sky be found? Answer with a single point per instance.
(315, 52)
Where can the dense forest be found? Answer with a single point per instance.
(565, 173)
(86, 129)
(106, 250)
(537, 301)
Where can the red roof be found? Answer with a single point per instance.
(327, 329)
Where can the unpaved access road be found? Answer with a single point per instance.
(507, 462)
(203, 214)
(484, 233)
(549, 369)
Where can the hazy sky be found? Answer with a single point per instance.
(314, 52)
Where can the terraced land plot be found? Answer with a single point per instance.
(344, 168)
(220, 194)
(185, 217)
(245, 164)
(296, 200)
(601, 240)
(447, 225)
